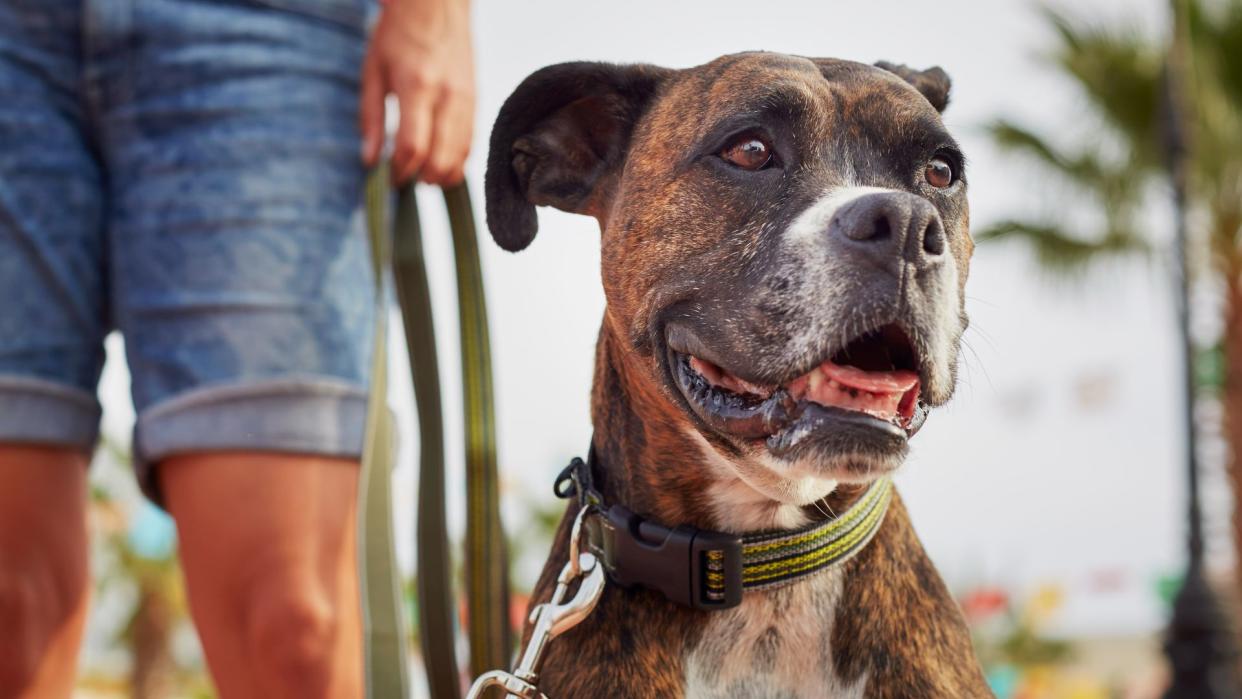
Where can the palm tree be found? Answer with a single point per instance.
(1120, 74)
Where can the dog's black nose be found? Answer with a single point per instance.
(887, 228)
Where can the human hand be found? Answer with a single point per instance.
(421, 52)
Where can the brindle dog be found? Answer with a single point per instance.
(785, 244)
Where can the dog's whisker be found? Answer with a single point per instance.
(824, 508)
(983, 334)
(980, 299)
(980, 363)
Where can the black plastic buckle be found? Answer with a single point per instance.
(671, 561)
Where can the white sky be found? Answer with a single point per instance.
(1023, 479)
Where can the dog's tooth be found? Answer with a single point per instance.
(814, 380)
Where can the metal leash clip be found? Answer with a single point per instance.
(550, 619)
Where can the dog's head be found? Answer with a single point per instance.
(784, 244)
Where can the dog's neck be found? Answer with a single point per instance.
(657, 464)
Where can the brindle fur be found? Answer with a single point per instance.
(615, 142)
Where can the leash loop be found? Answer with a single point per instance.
(551, 619)
(566, 484)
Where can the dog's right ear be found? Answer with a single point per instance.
(559, 140)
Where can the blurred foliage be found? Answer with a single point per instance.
(1008, 634)
(1210, 368)
(135, 545)
(1119, 72)
(1019, 660)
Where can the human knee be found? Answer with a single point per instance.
(28, 627)
(292, 636)
(43, 571)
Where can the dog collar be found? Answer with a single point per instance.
(710, 570)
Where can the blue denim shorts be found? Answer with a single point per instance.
(186, 172)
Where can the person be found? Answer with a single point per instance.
(188, 172)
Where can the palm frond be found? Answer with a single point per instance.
(1114, 185)
(1216, 96)
(1060, 252)
(1119, 71)
(1216, 35)
(1084, 168)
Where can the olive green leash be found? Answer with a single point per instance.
(379, 580)
(434, 562)
(487, 569)
(486, 559)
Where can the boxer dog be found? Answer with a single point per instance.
(785, 244)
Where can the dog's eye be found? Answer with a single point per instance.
(938, 173)
(748, 151)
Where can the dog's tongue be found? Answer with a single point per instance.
(884, 394)
(895, 381)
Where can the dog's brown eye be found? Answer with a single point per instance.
(939, 173)
(748, 152)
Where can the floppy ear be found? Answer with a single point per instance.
(934, 83)
(558, 141)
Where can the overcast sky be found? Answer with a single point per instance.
(1059, 458)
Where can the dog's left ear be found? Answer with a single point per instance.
(558, 141)
(933, 83)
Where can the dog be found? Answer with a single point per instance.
(785, 243)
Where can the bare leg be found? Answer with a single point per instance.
(44, 591)
(267, 544)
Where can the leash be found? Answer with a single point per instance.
(384, 651)
(486, 561)
(433, 561)
(487, 566)
(698, 568)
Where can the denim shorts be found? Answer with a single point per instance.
(186, 172)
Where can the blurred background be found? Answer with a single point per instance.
(1050, 492)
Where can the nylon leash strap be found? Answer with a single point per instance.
(434, 562)
(487, 567)
(486, 558)
(384, 659)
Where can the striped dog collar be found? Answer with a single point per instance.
(710, 570)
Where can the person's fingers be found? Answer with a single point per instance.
(450, 144)
(435, 168)
(371, 109)
(413, 138)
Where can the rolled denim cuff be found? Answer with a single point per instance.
(37, 411)
(318, 416)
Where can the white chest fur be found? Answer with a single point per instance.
(774, 645)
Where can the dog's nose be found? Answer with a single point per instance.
(887, 228)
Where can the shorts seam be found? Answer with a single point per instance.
(40, 411)
(292, 386)
(312, 415)
(45, 387)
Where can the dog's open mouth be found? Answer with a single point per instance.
(870, 384)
